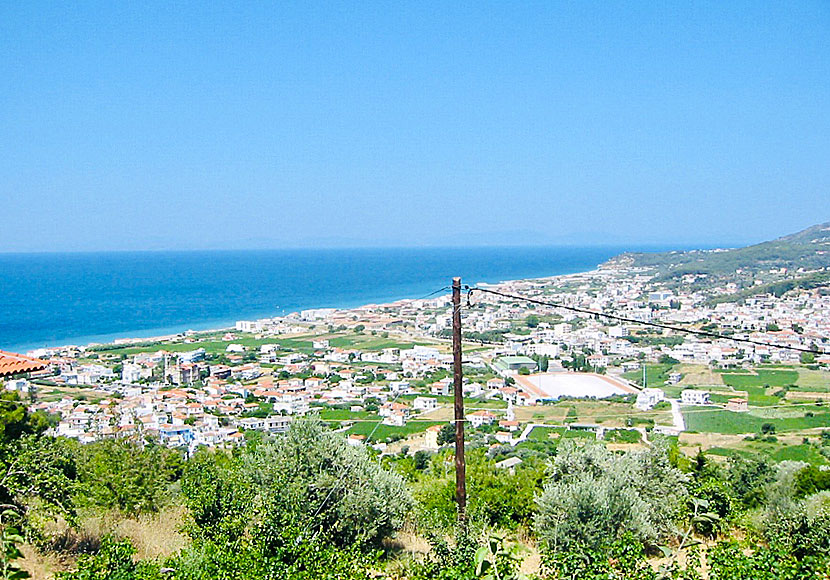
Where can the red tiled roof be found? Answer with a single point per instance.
(12, 364)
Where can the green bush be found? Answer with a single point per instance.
(594, 496)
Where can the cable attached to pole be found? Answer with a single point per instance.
(617, 317)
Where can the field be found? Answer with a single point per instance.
(706, 419)
(384, 431)
(656, 375)
(609, 414)
(546, 433)
(760, 378)
(369, 342)
(215, 344)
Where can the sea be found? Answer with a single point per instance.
(54, 299)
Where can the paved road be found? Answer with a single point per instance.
(679, 424)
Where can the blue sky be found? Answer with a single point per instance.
(177, 125)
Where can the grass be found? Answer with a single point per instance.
(623, 436)
(801, 452)
(698, 375)
(656, 375)
(706, 420)
(370, 342)
(344, 415)
(545, 433)
(578, 434)
(816, 381)
(384, 431)
(215, 345)
(761, 378)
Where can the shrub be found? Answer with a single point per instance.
(594, 496)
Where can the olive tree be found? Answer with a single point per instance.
(594, 496)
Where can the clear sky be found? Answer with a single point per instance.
(189, 125)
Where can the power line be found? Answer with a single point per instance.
(619, 318)
(431, 294)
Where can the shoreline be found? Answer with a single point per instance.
(163, 334)
(111, 299)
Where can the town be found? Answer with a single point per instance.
(380, 373)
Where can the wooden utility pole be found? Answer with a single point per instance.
(458, 387)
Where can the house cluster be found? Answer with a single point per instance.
(186, 396)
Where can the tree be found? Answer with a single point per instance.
(114, 561)
(119, 474)
(311, 477)
(594, 496)
(532, 321)
(447, 434)
(37, 472)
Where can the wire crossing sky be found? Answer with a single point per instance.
(168, 125)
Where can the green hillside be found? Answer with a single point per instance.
(808, 249)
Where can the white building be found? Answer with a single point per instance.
(692, 397)
(424, 404)
(479, 418)
(648, 398)
(131, 373)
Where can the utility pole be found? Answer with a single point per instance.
(458, 387)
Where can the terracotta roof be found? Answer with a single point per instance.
(12, 364)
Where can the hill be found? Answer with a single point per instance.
(799, 260)
(808, 249)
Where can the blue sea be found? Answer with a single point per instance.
(57, 299)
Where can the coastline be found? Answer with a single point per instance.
(54, 300)
(160, 335)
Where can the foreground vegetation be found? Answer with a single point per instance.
(309, 505)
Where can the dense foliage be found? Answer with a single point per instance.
(594, 496)
(309, 505)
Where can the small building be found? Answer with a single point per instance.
(511, 364)
(647, 398)
(425, 404)
(737, 404)
(495, 384)
(431, 437)
(509, 463)
(504, 437)
(395, 419)
(629, 366)
(479, 418)
(356, 440)
(693, 397)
